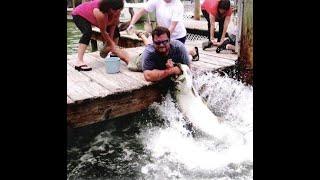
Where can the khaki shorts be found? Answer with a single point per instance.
(135, 63)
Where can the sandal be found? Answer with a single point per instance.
(196, 57)
(206, 45)
(80, 68)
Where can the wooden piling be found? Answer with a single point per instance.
(245, 58)
(197, 9)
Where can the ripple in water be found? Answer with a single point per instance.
(158, 143)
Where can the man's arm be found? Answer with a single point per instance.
(173, 26)
(136, 17)
(157, 75)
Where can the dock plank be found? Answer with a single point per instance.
(118, 82)
(81, 87)
(203, 66)
(216, 60)
(123, 69)
(76, 92)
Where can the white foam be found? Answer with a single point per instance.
(174, 145)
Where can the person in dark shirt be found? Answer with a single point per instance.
(158, 60)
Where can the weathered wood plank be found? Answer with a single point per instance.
(216, 60)
(135, 75)
(88, 60)
(123, 69)
(114, 82)
(76, 92)
(80, 87)
(202, 66)
(91, 87)
(196, 24)
(136, 50)
(71, 56)
(226, 54)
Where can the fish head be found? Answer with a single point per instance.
(183, 82)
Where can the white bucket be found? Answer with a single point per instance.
(112, 65)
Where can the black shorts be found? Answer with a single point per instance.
(183, 39)
(85, 27)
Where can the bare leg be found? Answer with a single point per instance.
(192, 52)
(81, 49)
(123, 55)
(143, 36)
(145, 40)
(230, 47)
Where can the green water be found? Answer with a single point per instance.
(73, 37)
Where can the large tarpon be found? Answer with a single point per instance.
(197, 112)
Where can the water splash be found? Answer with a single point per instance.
(177, 154)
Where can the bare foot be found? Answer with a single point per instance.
(230, 47)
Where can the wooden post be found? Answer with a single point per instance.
(197, 9)
(239, 6)
(245, 57)
(73, 4)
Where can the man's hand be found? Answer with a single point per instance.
(176, 70)
(173, 69)
(130, 29)
(169, 63)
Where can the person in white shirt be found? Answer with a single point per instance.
(169, 14)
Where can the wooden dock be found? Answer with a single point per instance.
(95, 96)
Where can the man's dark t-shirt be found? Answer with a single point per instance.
(152, 60)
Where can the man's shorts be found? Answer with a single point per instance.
(135, 63)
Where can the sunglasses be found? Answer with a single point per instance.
(161, 42)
